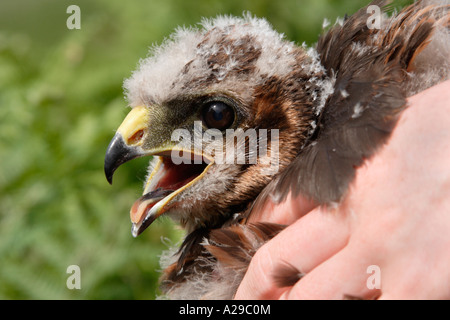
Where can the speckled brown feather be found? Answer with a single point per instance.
(222, 256)
(359, 117)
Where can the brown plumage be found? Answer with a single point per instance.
(334, 105)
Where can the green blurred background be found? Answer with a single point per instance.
(61, 100)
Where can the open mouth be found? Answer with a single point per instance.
(175, 168)
(168, 179)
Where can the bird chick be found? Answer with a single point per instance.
(323, 110)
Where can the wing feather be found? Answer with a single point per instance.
(370, 67)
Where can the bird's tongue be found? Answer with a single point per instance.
(142, 206)
(172, 178)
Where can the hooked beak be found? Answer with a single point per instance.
(127, 142)
(118, 153)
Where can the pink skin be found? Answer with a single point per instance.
(396, 216)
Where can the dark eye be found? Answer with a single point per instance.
(218, 115)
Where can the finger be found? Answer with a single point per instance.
(304, 245)
(411, 283)
(417, 275)
(286, 212)
(389, 296)
(350, 274)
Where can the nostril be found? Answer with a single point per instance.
(135, 138)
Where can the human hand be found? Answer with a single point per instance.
(396, 217)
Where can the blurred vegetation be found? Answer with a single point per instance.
(60, 102)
